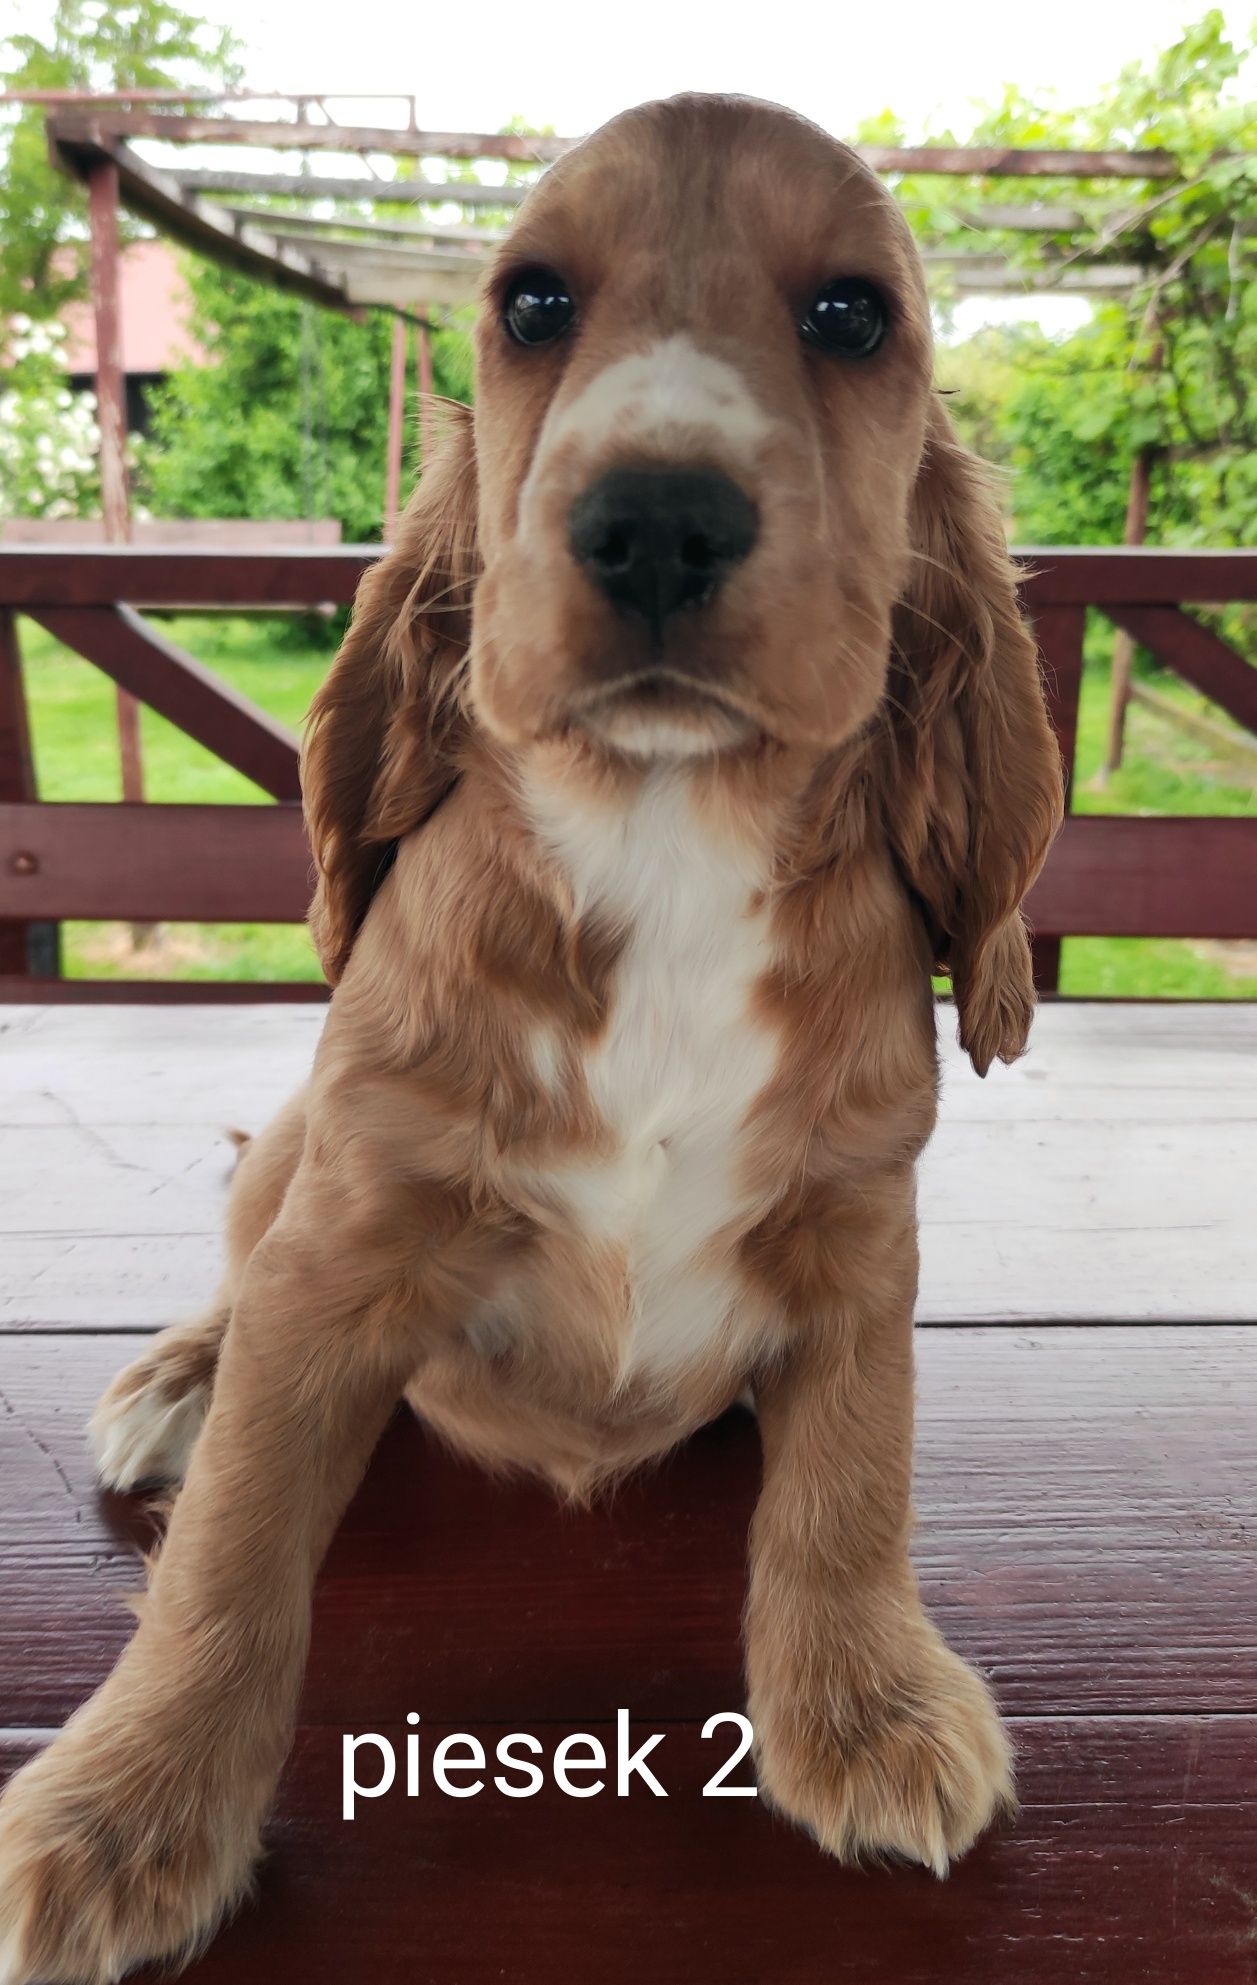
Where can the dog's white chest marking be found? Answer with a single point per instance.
(681, 1060)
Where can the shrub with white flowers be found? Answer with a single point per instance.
(49, 439)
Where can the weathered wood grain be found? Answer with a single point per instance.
(1131, 1858)
(154, 862)
(1139, 876)
(1087, 1533)
(1108, 1176)
(306, 575)
(114, 1065)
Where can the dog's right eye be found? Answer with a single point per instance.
(538, 307)
(849, 316)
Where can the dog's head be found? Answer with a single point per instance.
(708, 497)
(704, 380)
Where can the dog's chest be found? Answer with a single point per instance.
(675, 1071)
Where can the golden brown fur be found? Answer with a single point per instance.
(850, 742)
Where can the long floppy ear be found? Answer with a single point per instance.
(974, 794)
(381, 745)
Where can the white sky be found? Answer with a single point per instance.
(571, 64)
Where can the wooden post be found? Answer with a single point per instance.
(396, 428)
(425, 396)
(111, 414)
(1059, 632)
(27, 950)
(1134, 533)
(1123, 646)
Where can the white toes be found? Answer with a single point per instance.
(147, 1437)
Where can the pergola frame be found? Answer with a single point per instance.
(425, 269)
(1128, 877)
(317, 255)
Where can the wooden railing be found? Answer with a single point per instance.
(1120, 876)
(1107, 876)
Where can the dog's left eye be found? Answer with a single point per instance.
(538, 307)
(849, 316)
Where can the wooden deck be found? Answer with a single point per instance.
(1088, 1535)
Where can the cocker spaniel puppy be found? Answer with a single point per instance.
(687, 725)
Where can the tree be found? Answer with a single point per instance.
(143, 44)
(289, 416)
(1166, 374)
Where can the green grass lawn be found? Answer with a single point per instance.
(1163, 771)
(77, 759)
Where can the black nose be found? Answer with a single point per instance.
(657, 539)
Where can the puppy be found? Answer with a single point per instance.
(687, 726)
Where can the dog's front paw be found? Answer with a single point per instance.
(146, 1425)
(913, 1763)
(98, 1875)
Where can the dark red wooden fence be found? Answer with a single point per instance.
(1112, 877)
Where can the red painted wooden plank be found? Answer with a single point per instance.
(17, 774)
(156, 671)
(1197, 654)
(76, 126)
(82, 127)
(154, 863)
(1131, 1858)
(1020, 161)
(1105, 876)
(1045, 964)
(1103, 575)
(1109, 876)
(18, 991)
(17, 764)
(146, 576)
(1059, 632)
(1086, 1515)
(176, 533)
(307, 576)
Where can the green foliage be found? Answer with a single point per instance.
(289, 417)
(90, 44)
(1174, 371)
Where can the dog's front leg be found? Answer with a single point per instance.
(869, 1730)
(134, 1833)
